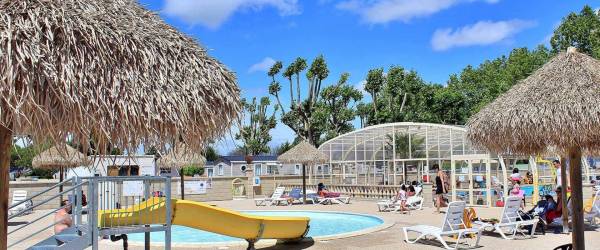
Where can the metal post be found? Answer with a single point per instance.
(93, 213)
(147, 196)
(78, 200)
(304, 182)
(168, 215)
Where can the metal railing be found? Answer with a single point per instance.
(125, 205)
(355, 191)
(74, 190)
(115, 205)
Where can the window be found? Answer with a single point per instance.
(319, 169)
(297, 169)
(326, 169)
(257, 169)
(209, 172)
(221, 169)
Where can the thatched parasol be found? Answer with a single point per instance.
(556, 106)
(61, 156)
(107, 70)
(180, 157)
(304, 153)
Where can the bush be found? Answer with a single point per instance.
(192, 170)
(43, 173)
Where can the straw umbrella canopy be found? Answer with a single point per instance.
(555, 106)
(180, 157)
(62, 156)
(107, 70)
(304, 153)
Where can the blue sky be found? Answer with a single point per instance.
(434, 37)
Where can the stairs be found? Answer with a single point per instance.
(75, 237)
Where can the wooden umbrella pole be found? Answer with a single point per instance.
(5, 144)
(563, 197)
(304, 182)
(181, 183)
(60, 188)
(576, 198)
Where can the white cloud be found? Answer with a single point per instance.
(263, 65)
(361, 86)
(384, 11)
(480, 33)
(213, 13)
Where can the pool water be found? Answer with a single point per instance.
(321, 224)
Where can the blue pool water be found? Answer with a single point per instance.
(321, 224)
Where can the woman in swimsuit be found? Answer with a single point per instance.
(440, 188)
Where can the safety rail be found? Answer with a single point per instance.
(115, 206)
(73, 191)
(122, 199)
(355, 191)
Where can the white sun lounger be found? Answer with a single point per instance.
(19, 196)
(510, 221)
(453, 225)
(388, 205)
(276, 198)
(595, 213)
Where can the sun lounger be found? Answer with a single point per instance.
(296, 195)
(511, 221)
(594, 211)
(452, 225)
(276, 198)
(388, 205)
(18, 197)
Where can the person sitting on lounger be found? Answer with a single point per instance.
(410, 191)
(402, 197)
(323, 192)
(63, 219)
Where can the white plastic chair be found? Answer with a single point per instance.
(19, 196)
(510, 220)
(595, 213)
(274, 199)
(452, 225)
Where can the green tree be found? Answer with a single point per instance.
(304, 117)
(375, 81)
(406, 146)
(256, 125)
(363, 110)
(210, 153)
(282, 148)
(579, 30)
(338, 103)
(22, 156)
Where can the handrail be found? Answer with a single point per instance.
(37, 232)
(42, 192)
(47, 200)
(37, 219)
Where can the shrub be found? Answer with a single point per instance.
(192, 170)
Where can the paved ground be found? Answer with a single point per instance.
(389, 238)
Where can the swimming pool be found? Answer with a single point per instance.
(322, 224)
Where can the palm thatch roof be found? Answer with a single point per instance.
(304, 153)
(60, 156)
(557, 105)
(110, 70)
(181, 156)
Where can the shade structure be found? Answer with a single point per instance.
(107, 70)
(306, 154)
(181, 156)
(60, 156)
(556, 106)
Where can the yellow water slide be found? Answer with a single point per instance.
(201, 216)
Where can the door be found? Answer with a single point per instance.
(471, 179)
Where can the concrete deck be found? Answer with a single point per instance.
(388, 238)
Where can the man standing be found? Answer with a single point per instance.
(557, 165)
(562, 182)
